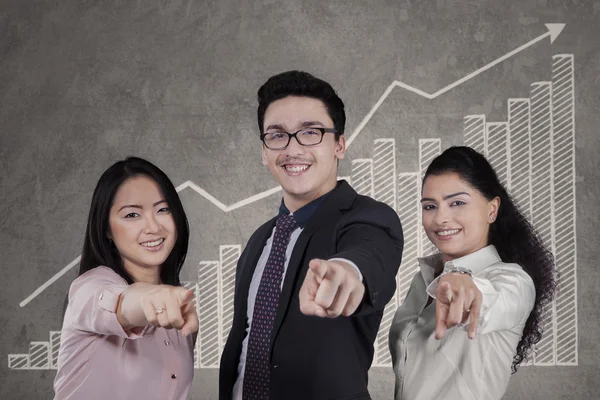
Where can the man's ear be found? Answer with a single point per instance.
(340, 147)
(264, 154)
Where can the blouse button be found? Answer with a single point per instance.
(102, 295)
(168, 343)
(173, 376)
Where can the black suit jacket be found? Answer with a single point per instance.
(312, 357)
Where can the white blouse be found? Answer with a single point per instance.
(457, 367)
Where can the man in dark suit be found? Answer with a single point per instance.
(311, 283)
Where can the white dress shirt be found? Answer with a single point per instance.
(457, 367)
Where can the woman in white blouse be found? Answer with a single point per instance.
(474, 310)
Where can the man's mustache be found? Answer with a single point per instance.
(293, 160)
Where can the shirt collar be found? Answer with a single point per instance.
(476, 262)
(303, 214)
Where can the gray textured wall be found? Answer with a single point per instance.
(84, 83)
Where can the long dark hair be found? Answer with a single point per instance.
(512, 234)
(99, 250)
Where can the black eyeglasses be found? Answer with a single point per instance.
(305, 137)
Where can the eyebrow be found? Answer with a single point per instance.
(445, 197)
(311, 123)
(140, 207)
(303, 124)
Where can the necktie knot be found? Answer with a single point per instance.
(286, 223)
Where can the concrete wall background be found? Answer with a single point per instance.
(83, 84)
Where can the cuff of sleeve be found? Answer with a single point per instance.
(433, 287)
(360, 276)
(489, 296)
(109, 301)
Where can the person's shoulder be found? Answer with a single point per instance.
(366, 210)
(514, 269)
(87, 283)
(366, 204)
(100, 273)
(367, 201)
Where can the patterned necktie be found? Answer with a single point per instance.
(257, 371)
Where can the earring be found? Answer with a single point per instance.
(491, 218)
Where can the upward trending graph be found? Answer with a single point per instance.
(553, 30)
(534, 155)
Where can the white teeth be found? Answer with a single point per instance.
(448, 233)
(153, 244)
(296, 168)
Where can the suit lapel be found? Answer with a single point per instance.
(340, 199)
(254, 250)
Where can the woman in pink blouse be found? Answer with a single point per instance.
(129, 327)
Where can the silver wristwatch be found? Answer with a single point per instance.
(457, 270)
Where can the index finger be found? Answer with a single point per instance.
(444, 293)
(328, 289)
(309, 287)
(191, 323)
(441, 315)
(307, 295)
(184, 295)
(319, 268)
(474, 316)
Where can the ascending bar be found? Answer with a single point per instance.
(208, 341)
(428, 150)
(362, 176)
(229, 256)
(39, 355)
(497, 134)
(18, 361)
(475, 134)
(519, 150)
(520, 153)
(409, 211)
(542, 200)
(563, 122)
(54, 346)
(384, 171)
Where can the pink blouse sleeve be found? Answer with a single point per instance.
(93, 301)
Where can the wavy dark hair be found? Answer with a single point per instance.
(99, 250)
(301, 84)
(512, 234)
